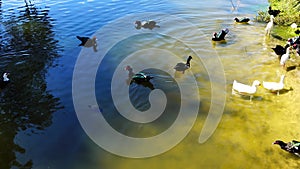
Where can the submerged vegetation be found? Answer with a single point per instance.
(290, 13)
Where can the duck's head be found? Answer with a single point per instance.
(256, 83)
(236, 19)
(128, 68)
(138, 24)
(280, 143)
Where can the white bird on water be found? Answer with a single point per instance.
(269, 25)
(243, 89)
(275, 86)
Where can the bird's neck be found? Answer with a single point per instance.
(188, 62)
(288, 51)
(281, 80)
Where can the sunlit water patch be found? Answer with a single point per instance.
(245, 134)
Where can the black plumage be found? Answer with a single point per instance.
(280, 50)
(220, 36)
(242, 20)
(291, 147)
(273, 12)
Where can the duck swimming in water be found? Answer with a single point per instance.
(146, 24)
(181, 67)
(220, 36)
(138, 78)
(242, 20)
(141, 77)
(88, 42)
(291, 147)
(242, 89)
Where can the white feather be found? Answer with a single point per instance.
(245, 89)
(269, 25)
(275, 86)
(285, 57)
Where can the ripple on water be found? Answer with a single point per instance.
(244, 136)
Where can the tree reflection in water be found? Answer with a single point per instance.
(27, 49)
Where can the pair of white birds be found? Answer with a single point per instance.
(243, 89)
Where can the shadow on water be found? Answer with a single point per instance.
(27, 50)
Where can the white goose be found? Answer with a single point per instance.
(274, 86)
(245, 89)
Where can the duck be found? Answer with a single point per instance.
(285, 57)
(141, 77)
(269, 25)
(273, 12)
(280, 50)
(181, 67)
(291, 147)
(88, 42)
(242, 20)
(146, 24)
(221, 35)
(5, 80)
(243, 89)
(138, 78)
(294, 40)
(274, 86)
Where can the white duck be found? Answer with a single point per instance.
(274, 86)
(285, 57)
(245, 89)
(269, 25)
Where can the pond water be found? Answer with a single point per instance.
(45, 130)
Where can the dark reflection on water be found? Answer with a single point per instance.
(27, 49)
(138, 93)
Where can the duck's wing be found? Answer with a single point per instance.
(279, 50)
(83, 40)
(180, 66)
(245, 20)
(222, 34)
(284, 58)
(242, 88)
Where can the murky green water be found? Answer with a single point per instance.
(243, 139)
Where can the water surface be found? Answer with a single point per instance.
(245, 134)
